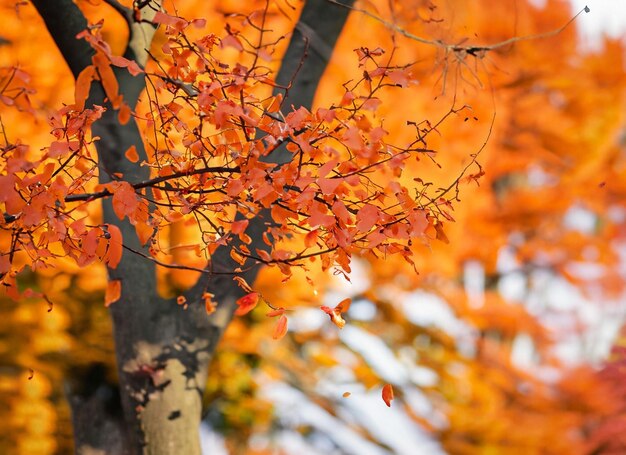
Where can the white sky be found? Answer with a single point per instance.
(605, 17)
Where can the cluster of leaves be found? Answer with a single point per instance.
(328, 176)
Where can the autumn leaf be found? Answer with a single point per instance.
(125, 201)
(176, 23)
(115, 245)
(281, 328)
(231, 41)
(387, 394)
(113, 292)
(83, 86)
(131, 65)
(124, 115)
(247, 303)
(276, 312)
(131, 154)
(367, 217)
(209, 304)
(335, 313)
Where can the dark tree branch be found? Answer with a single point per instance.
(64, 21)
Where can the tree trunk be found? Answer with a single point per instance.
(163, 351)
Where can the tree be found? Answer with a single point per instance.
(264, 176)
(220, 149)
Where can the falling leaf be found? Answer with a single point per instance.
(387, 394)
(346, 394)
(335, 313)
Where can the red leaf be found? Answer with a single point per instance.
(319, 216)
(387, 394)
(171, 21)
(247, 303)
(328, 186)
(399, 77)
(367, 217)
(5, 264)
(58, 149)
(281, 328)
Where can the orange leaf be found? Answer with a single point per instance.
(131, 154)
(209, 305)
(108, 79)
(335, 313)
(125, 201)
(144, 232)
(238, 227)
(83, 84)
(247, 303)
(387, 394)
(276, 312)
(367, 217)
(346, 394)
(114, 251)
(311, 238)
(281, 328)
(441, 235)
(231, 41)
(343, 306)
(132, 66)
(243, 284)
(171, 21)
(113, 292)
(124, 114)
